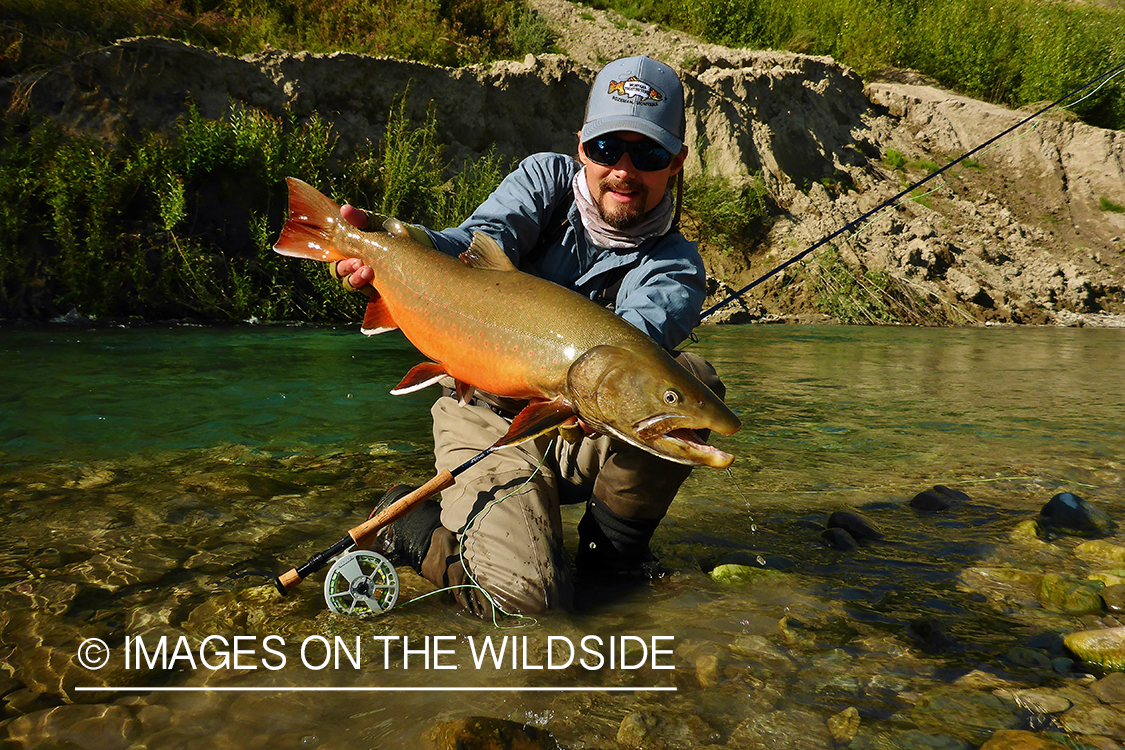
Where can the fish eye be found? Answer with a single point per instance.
(671, 397)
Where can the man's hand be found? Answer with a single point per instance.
(351, 272)
(353, 275)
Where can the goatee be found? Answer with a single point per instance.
(622, 215)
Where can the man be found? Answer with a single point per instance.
(605, 227)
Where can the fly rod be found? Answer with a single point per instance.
(359, 535)
(902, 193)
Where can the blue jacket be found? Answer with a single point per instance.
(662, 293)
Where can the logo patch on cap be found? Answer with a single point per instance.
(634, 86)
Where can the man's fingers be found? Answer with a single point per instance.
(354, 216)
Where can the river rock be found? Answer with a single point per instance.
(839, 539)
(844, 725)
(939, 497)
(1067, 513)
(1110, 689)
(1027, 532)
(1037, 700)
(910, 739)
(1017, 739)
(1114, 597)
(1104, 647)
(859, 527)
(487, 733)
(1069, 595)
(1094, 719)
(1003, 585)
(83, 727)
(740, 574)
(1099, 550)
(978, 715)
(791, 729)
(650, 729)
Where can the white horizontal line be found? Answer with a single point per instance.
(370, 689)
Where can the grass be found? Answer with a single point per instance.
(182, 226)
(38, 33)
(720, 216)
(1107, 205)
(871, 297)
(1013, 52)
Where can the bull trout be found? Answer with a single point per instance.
(491, 327)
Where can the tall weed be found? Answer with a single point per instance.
(1014, 52)
(182, 226)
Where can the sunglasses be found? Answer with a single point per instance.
(646, 155)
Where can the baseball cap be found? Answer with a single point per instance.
(639, 95)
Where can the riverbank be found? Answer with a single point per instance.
(1030, 232)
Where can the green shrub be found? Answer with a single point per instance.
(720, 215)
(1014, 52)
(1107, 205)
(35, 33)
(183, 226)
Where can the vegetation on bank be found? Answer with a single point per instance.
(1014, 52)
(182, 226)
(39, 33)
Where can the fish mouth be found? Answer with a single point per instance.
(675, 438)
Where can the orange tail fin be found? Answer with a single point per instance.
(311, 229)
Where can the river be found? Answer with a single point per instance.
(153, 476)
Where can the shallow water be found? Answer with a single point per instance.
(152, 475)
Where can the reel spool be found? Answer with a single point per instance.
(361, 582)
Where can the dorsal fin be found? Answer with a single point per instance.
(396, 228)
(486, 253)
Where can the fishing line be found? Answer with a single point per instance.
(461, 554)
(1107, 76)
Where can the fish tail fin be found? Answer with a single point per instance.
(310, 231)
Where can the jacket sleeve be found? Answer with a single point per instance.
(514, 213)
(664, 295)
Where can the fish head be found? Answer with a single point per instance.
(648, 400)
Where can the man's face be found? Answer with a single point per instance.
(623, 193)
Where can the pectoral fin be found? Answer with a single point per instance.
(536, 419)
(419, 377)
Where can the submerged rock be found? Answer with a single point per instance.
(1099, 550)
(939, 497)
(1114, 597)
(859, 527)
(1018, 739)
(736, 574)
(1066, 513)
(978, 715)
(486, 733)
(839, 539)
(650, 729)
(1069, 595)
(1103, 648)
(844, 725)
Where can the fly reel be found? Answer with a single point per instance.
(361, 582)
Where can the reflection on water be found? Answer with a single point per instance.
(151, 475)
